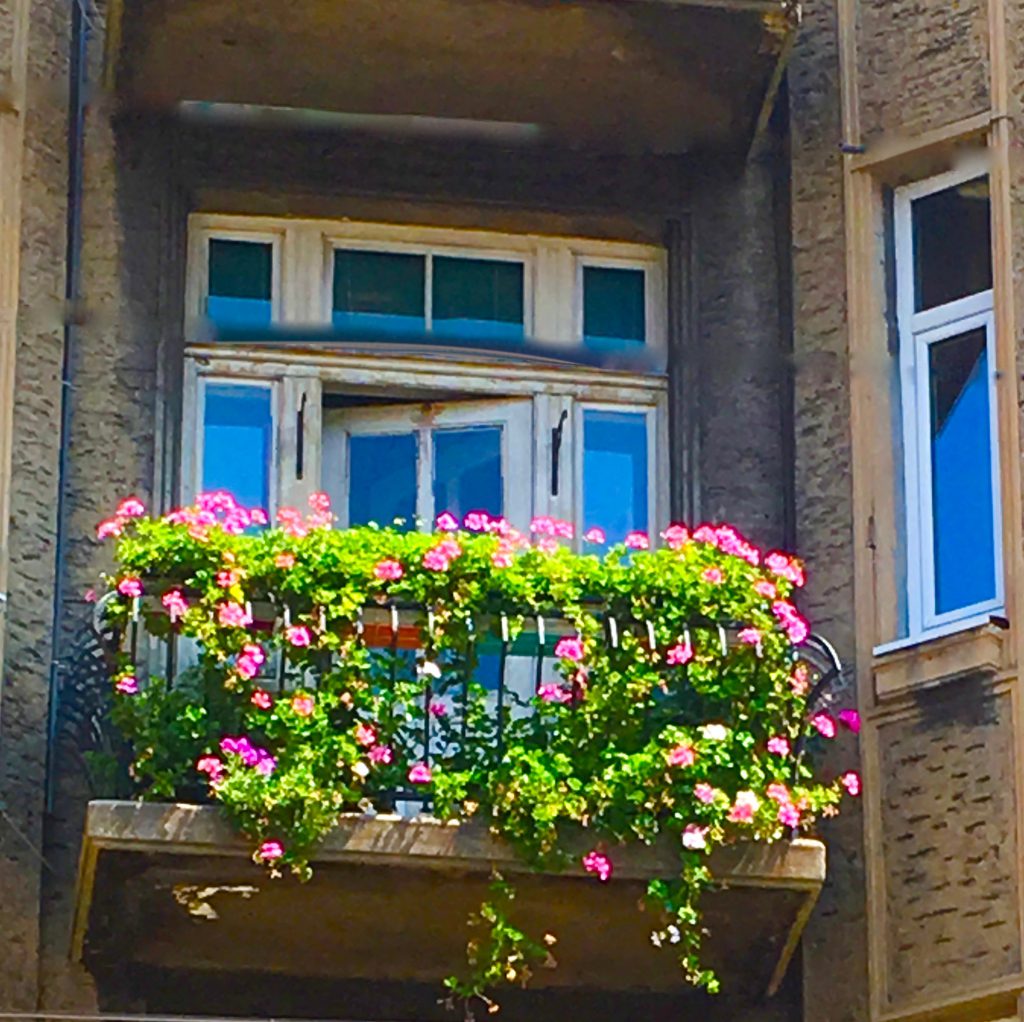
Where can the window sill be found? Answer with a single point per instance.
(934, 660)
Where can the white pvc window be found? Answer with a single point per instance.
(952, 551)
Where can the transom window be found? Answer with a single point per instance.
(419, 370)
(952, 550)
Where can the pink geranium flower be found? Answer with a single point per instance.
(130, 507)
(778, 746)
(705, 534)
(419, 773)
(380, 754)
(366, 735)
(233, 615)
(778, 792)
(298, 635)
(447, 522)
(599, 863)
(850, 719)
(437, 709)
(824, 725)
(303, 705)
(175, 604)
(130, 586)
(680, 653)
(637, 540)
(703, 792)
(435, 559)
(750, 637)
(744, 807)
(388, 571)
(595, 535)
(551, 692)
(569, 647)
(128, 685)
(713, 576)
(502, 558)
(261, 699)
(800, 679)
(110, 527)
(681, 756)
(475, 521)
(270, 851)
(789, 815)
(851, 782)
(766, 589)
(675, 536)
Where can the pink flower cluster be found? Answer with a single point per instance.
(637, 540)
(130, 587)
(552, 692)
(261, 699)
(129, 508)
(824, 725)
(785, 567)
(212, 767)
(599, 863)
(676, 536)
(744, 807)
(705, 793)
(303, 704)
(217, 509)
(569, 647)
(298, 635)
(270, 851)
(293, 523)
(233, 615)
(440, 556)
(175, 604)
(554, 527)
(250, 755)
(419, 773)
(681, 756)
(789, 812)
(127, 685)
(250, 660)
(729, 541)
(792, 623)
(679, 654)
(695, 837)
(596, 536)
(388, 571)
(851, 782)
(778, 746)
(367, 737)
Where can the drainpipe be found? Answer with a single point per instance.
(77, 86)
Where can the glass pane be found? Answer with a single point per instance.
(965, 567)
(613, 307)
(382, 478)
(238, 442)
(467, 471)
(239, 284)
(477, 298)
(615, 472)
(952, 244)
(379, 291)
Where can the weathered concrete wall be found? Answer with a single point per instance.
(23, 720)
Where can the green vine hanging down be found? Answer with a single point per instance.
(677, 705)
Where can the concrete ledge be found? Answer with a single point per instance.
(151, 873)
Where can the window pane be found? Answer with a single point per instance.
(615, 472)
(238, 442)
(379, 291)
(613, 307)
(965, 571)
(477, 298)
(952, 244)
(382, 479)
(467, 471)
(240, 283)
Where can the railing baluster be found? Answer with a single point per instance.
(540, 653)
(502, 658)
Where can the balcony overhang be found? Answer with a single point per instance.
(172, 887)
(659, 76)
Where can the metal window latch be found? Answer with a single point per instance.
(556, 448)
(300, 439)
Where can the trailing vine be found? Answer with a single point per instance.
(671, 700)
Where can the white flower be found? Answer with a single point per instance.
(428, 669)
(360, 769)
(714, 732)
(656, 939)
(693, 837)
(673, 934)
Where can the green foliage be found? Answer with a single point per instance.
(673, 711)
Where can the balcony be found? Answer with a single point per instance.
(402, 714)
(656, 76)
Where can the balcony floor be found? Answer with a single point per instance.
(174, 885)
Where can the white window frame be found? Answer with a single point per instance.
(515, 417)
(917, 332)
(655, 298)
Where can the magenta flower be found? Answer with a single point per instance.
(778, 746)
(543, 524)
(785, 567)
(89, 596)
(750, 637)
(599, 863)
(128, 685)
(366, 735)
(637, 540)
(824, 725)
(261, 699)
(303, 705)
(551, 692)
(435, 559)
(851, 782)
(563, 529)
(475, 521)
(265, 763)
(175, 604)
(713, 576)
(110, 527)
(680, 653)
(233, 615)
(211, 766)
(298, 635)
(694, 837)
(447, 522)
(681, 756)
(703, 792)
(419, 773)
(130, 586)
(226, 579)
(675, 536)
(130, 507)
(850, 719)
(258, 516)
(766, 589)
(270, 851)
(247, 666)
(388, 571)
(789, 815)
(778, 792)
(437, 709)
(380, 754)
(705, 534)
(569, 647)
(595, 535)
(744, 807)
